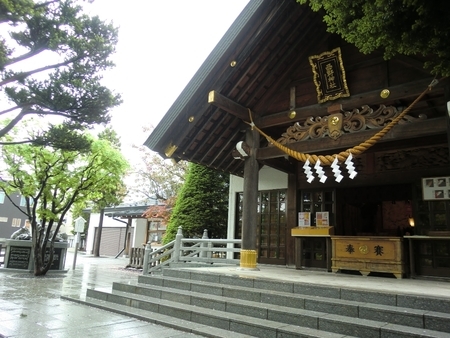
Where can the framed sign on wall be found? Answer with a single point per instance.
(436, 188)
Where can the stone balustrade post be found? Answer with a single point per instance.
(203, 253)
(177, 247)
(147, 252)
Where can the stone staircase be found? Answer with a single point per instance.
(223, 305)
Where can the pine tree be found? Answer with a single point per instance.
(52, 59)
(201, 204)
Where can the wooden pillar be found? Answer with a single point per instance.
(447, 96)
(291, 217)
(250, 203)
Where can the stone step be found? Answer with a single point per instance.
(403, 300)
(159, 319)
(228, 305)
(230, 322)
(254, 319)
(287, 308)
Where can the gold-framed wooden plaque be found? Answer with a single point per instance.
(329, 75)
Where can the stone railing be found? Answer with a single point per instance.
(190, 250)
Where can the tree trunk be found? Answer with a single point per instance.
(38, 261)
(98, 238)
(37, 250)
(41, 267)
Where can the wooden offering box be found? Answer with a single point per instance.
(368, 254)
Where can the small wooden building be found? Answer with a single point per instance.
(277, 92)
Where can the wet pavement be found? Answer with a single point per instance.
(31, 306)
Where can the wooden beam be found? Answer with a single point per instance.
(364, 64)
(400, 132)
(292, 103)
(410, 62)
(228, 105)
(282, 164)
(410, 90)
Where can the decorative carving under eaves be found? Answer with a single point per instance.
(434, 157)
(352, 121)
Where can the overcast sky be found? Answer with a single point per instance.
(161, 45)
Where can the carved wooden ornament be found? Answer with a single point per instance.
(338, 124)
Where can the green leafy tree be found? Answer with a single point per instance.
(52, 180)
(51, 61)
(111, 196)
(408, 27)
(115, 197)
(201, 204)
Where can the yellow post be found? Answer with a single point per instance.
(248, 259)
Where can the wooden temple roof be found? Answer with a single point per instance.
(262, 64)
